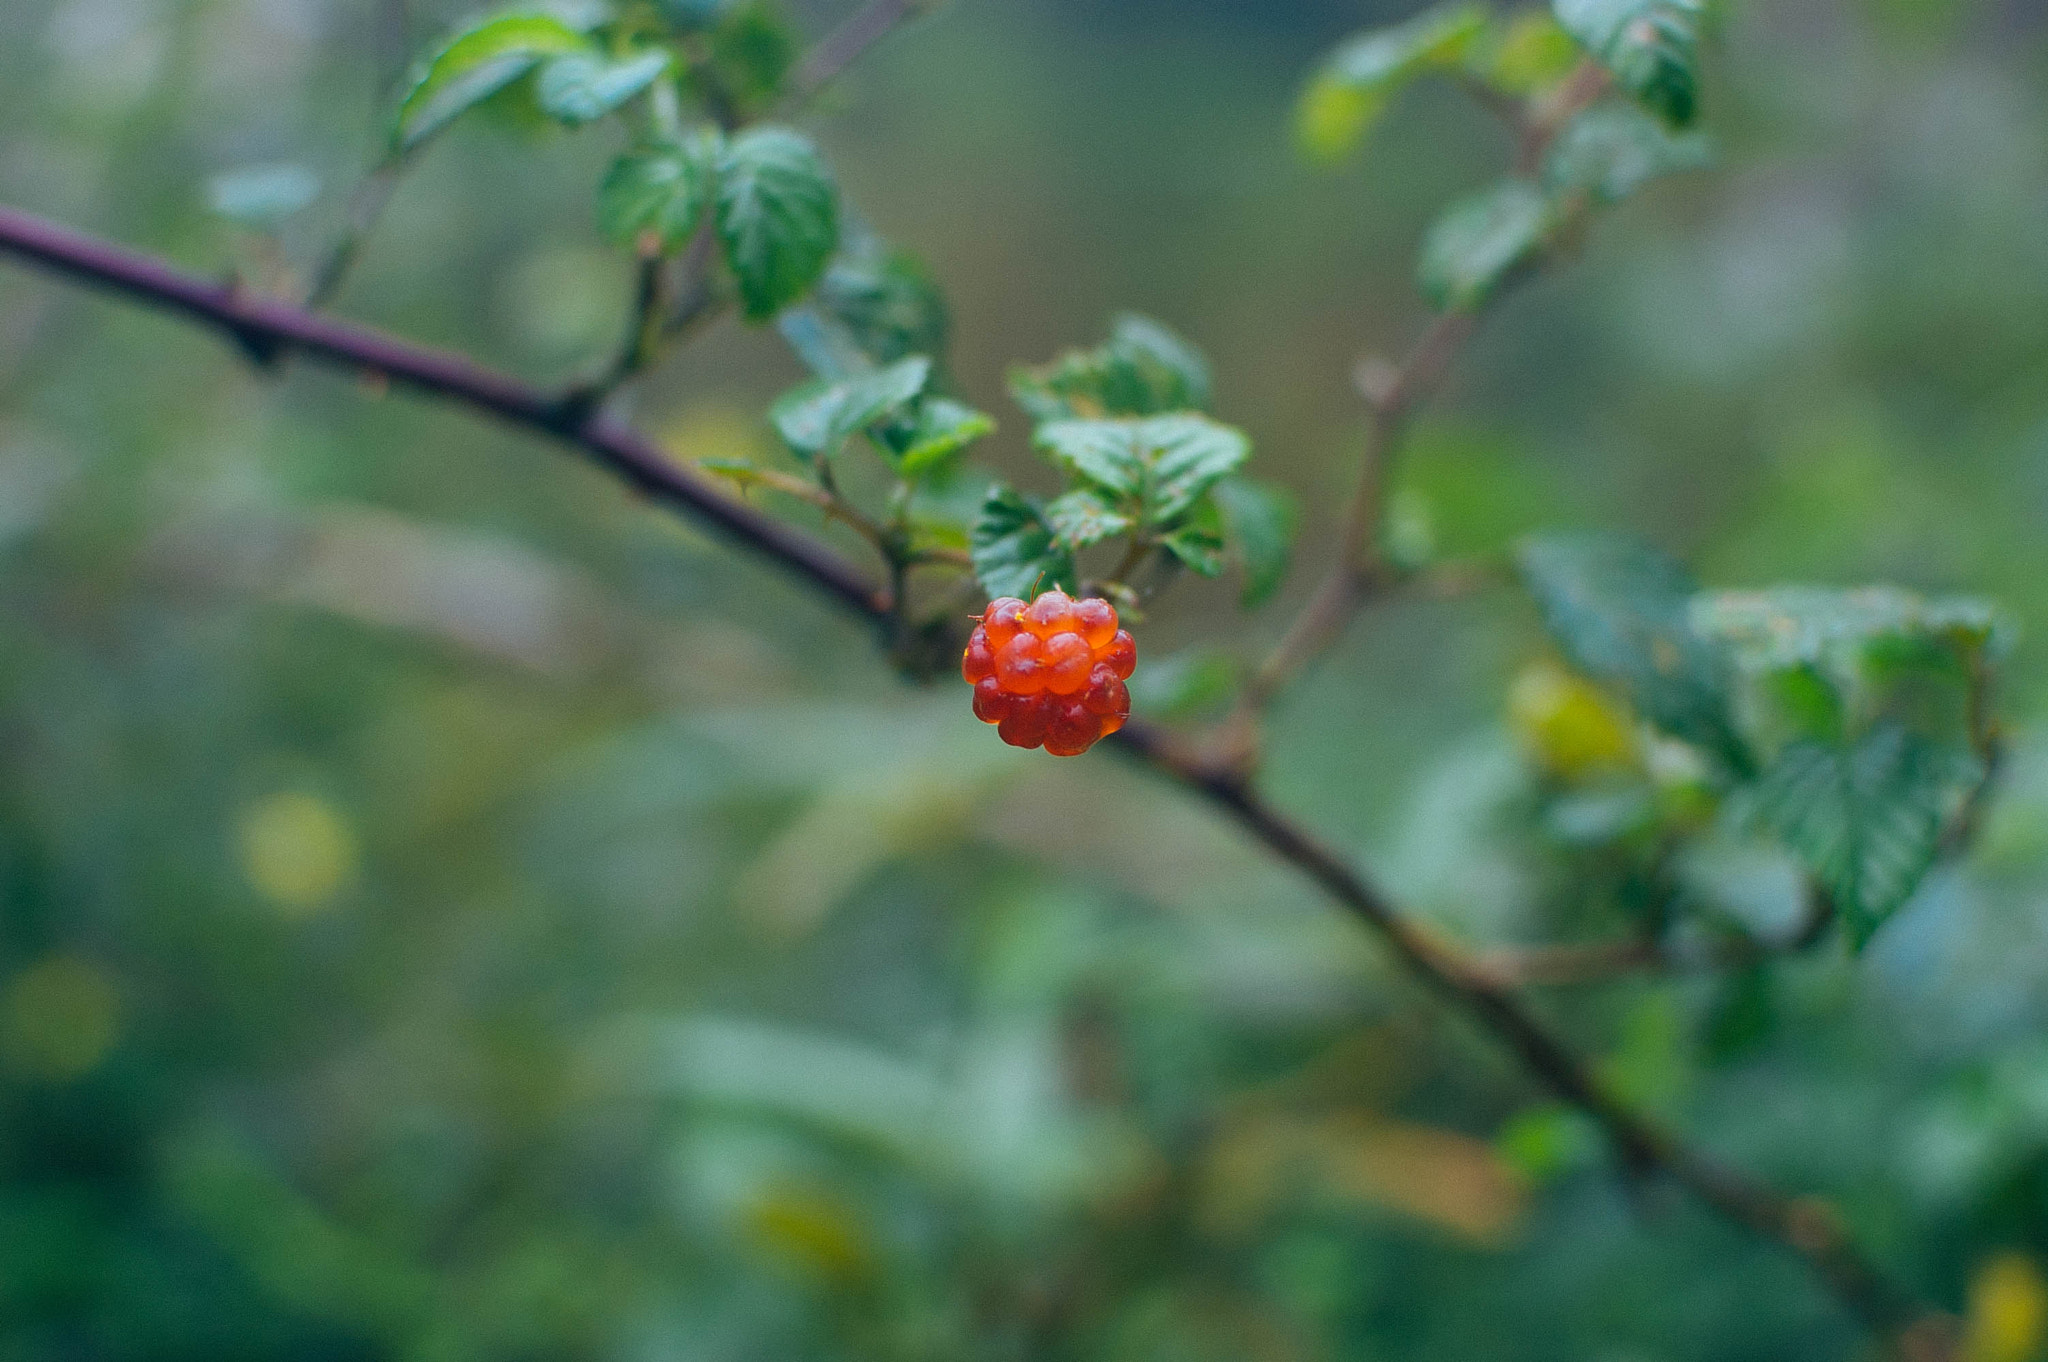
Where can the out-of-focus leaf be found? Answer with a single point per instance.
(1142, 370)
(1197, 541)
(1610, 151)
(943, 429)
(1355, 83)
(1570, 727)
(816, 419)
(582, 87)
(475, 64)
(1866, 819)
(262, 197)
(661, 188)
(1479, 241)
(1650, 46)
(752, 51)
(1016, 552)
(887, 302)
(778, 216)
(1082, 517)
(1620, 611)
(1259, 523)
(1182, 685)
(1529, 54)
(691, 15)
(1815, 626)
(2008, 1314)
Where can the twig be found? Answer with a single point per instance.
(843, 46)
(1804, 1225)
(365, 208)
(1587, 962)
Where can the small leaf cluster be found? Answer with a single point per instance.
(1534, 63)
(761, 189)
(1144, 466)
(1849, 726)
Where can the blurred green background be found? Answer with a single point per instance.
(451, 911)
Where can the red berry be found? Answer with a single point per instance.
(1000, 620)
(1106, 693)
(991, 701)
(979, 661)
(1121, 655)
(1050, 614)
(1025, 723)
(1020, 666)
(1095, 620)
(1072, 730)
(1068, 660)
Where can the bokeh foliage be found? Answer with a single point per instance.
(452, 912)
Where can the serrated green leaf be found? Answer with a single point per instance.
(1866, 819)
(1347, 94)
(1259, 523)
(1619, 610)
(816, 419)
(582, 87)
(1610, 151)
(1479, 241)
(943, 429)
(1105, 453)
(262, 197)
(1144, 369)
(1189, 455)
(1163, 463)
(1650, 47)
(778, 216)
(474, 65)
(1198, 547)
(1015, 550)
(1081, 518)
(661, 188)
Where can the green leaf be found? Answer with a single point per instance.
(1479, 241)
(582, 87)
(1259, 523)
(1866, 819)
(661, 188)
(1822, 626)
(1650, 47)
(1610, 151)
(752, 51)
(816, 419)
(1184, 684)
(1015, 551)
(1163, 463)
(1082, 517)
(262, 197)
(1619, 609)
(474, 65)
(778, 216)
(943, 429)
(887, 302)
(1144, 369)
(1347, 95)
(1199, 548)
(1531, 54)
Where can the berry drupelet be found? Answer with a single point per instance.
(1050, 673)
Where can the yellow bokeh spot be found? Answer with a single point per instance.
(297, 850)
(1333, 118)
(58, 1019)
(810, 1230)
(1568, 725)
(2008, 1319)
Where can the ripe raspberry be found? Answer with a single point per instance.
(1051, 672)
